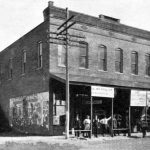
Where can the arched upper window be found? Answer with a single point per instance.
(61, 55)
(24, 59)
(83, 60)
(103, 57)
(134, 62)
(147, 64)
(119, 60)
(10, 68)
(40, 54)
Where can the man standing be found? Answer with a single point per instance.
(104, 123)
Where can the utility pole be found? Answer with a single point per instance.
(67, 79)
(62, 35)
(65, 32)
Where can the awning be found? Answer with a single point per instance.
(80, 79)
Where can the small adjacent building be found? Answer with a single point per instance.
(102, 52)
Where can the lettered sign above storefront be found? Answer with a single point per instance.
(100, 91)
(138, 98)
(148, 98)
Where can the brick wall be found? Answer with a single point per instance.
(35, 80)
(96, 36)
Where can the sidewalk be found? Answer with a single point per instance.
(62, 140)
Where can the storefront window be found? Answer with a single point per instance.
(59, 105)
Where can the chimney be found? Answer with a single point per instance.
(109, 19)
(46, 10)
(50, 3)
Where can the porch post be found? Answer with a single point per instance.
(91, 115)
(112, 111)
(129, 133)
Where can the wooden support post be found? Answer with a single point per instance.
(112, 112)
(129, 132)
(146, 109)
(91, 116)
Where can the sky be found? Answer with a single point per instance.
(17, 17)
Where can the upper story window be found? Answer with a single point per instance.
(83, 60)
(10, 68)
(0, 69)
(61, 55)
(134, 63)
(147, 64)
(24, 59)
(119, 60)
(103, 58)
(0, 72)
(40, 54)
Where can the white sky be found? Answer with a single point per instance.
(18, 17)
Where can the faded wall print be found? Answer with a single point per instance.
(30, 113)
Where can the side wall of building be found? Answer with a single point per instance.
(34, 80)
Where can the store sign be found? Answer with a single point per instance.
(148, 98)
(138, 98)
(56, 120)
(99, 91)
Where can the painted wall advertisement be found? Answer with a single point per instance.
(30, 113)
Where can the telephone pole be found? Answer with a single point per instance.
(67, 79)
(62, 35)
(65, 32)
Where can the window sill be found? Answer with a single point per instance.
(84, 68)
(146, 76)
(22, 75)
(119, 72)
(134, 74)
(103, 70)
(62, 66)
(9, 79)
(39, 68)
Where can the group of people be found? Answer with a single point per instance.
(78, 126)
(97, 123)
(104, 125)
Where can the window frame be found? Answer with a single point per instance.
(86, 56)
(103, 65)
(40, 54)
(119, 61)
(24, 61)
(61, 55)
(147, 65)
(10, 72)
(134, 64)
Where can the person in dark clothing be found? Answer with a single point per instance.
(126, 123)
(144, 125)
(77, 126)
(95, 126)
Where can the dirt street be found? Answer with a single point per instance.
(60, 143)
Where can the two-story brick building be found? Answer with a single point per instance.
(32, 69)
